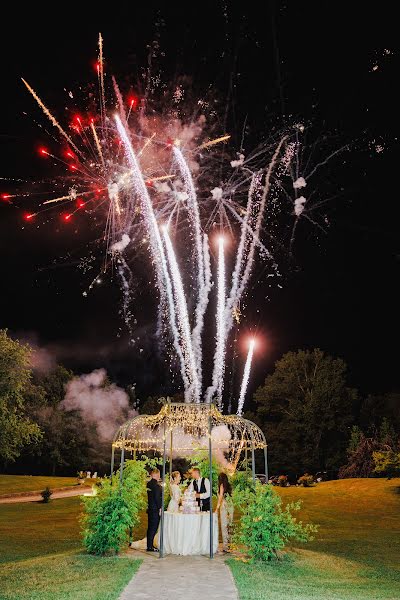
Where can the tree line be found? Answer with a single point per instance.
(313, 421)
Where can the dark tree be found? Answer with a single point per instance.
(306, 411)
(16, 428)
(377, 407)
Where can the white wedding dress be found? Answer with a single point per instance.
(176, 494)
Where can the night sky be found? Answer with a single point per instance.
(324, 63)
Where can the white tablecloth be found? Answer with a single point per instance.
(186, 534)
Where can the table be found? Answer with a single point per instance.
(188, 534)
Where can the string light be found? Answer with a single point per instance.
(189, 425)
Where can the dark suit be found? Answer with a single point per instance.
(153, 510)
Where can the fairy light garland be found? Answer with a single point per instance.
(189, 425)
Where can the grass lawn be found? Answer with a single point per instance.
(355, 555)
(10, 484)
(41, 556)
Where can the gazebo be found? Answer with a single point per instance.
(179, 429)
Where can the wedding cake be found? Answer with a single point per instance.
(189, 502)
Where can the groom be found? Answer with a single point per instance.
(201, 486)
(153, 508)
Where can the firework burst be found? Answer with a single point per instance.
(147, 177)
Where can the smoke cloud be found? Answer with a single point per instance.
(105, 405)
(122, 244)
(42, 359)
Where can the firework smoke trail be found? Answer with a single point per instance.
(140, 189)
(183, 317)
(233, 298)
(156, 245)
(69, 197)
(48, 114)
(239, 280)
(260, 216)
(223, 138)
(203, 285)
(120, 101)
(97, 141)
(246, 376)
(101, 78)
(219, 356)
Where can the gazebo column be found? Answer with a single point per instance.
(121, 469)
(211, 486)
(266, 462)
(170, 457)
(161, 548)
(112, 460)
(253, 461)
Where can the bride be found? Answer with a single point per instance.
(176, 493)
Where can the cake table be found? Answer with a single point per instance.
(189, 534)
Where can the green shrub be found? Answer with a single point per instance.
(306, 480)
(387, 462)
(265, 527)
(46, 495)
(242, 481)
(115, 509)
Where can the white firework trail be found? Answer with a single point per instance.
(203, 285)
(234, 299)
(246, 376)
(240, 277)
(183, 319)
(120, 101)
(201, 309)
(219, 356)
(156, 246)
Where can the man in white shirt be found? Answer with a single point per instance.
(201, 486)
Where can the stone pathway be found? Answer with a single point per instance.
(180, 578)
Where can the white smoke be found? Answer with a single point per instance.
(181, 196)
(216, 193)
(41, 359)
(122, 244)
(106, 406)
(162, 187)
(299, 183)
(184, 444)
(299, 205)
(239, 162)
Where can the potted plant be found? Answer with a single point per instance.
(306, 480)
(283, 481)
(46, 494)
(81, 477)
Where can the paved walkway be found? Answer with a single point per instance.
(180, 578)
(37, 497)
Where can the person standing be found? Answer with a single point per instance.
(225, 507)
(154, 507)
(176, 493)
(201, 486)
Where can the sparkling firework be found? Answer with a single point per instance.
(246, 377)
(146, 177)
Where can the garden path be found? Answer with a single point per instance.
(35, 497)
(180, 578)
